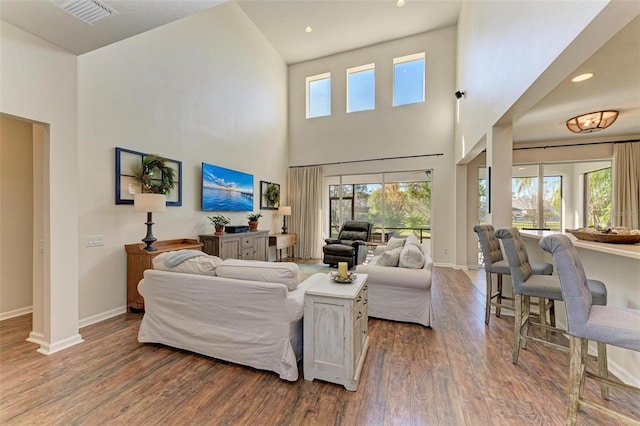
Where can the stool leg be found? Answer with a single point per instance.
(499, 296)
(487, 304)
(542, 310)
(517, 327)
(577, 350)
(526, 314)
(603, 369)
(552, 313)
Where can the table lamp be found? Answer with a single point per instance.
(150, 203)
(284, 211)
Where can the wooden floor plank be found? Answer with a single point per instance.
(457, 373)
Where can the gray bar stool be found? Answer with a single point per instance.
(527, 285)
(494, 263)
(587, 321)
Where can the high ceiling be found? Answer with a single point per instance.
(344, 25)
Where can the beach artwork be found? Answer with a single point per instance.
(225, 189)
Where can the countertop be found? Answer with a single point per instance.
(626, 250)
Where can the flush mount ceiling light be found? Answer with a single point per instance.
(592, 122)
(400, 3)
(582, 77)
(308, 29)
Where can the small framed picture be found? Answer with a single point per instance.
(269, 195)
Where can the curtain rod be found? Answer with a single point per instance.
(575, 144)
(367, 160)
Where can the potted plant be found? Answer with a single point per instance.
(219, 222)
(253, 220)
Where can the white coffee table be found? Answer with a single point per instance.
(336, 333)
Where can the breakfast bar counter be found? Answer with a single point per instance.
(616, 265)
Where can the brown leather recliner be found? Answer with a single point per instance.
(350, 246)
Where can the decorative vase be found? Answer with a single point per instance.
(219, 229)
(253, 225)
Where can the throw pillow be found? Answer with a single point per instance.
(412, 239)
(394, 243)
(411, 257)
(201, 265)
(390, 257)
(286, 273)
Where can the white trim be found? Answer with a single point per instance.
(355, 70)
(103, 316)
(310, 79)
(35, 337)
(408, 58)
(48, 349)
(16, 313)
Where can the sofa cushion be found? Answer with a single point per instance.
(411, 257)
(389, 257)
(394, 243)
(201, 265)
(286, 273)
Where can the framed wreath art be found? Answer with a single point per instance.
(138, 172)
(269, 195)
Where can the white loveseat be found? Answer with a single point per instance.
(246, 314)
(400, 293)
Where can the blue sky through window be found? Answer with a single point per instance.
(362, 91)
(408, 82)
(320, 98)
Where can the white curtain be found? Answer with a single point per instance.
(626, 185)
(305, 198)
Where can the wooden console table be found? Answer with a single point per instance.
(139, 260)
(283, 241)
(242, 245)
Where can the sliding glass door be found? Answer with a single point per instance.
(398, 204)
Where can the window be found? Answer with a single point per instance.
(597, 198)
(361, 89)
(319, 95)
(400, 206)
(536, 198)
(408, 79)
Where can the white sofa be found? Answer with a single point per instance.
(399, 293)
(246, 314)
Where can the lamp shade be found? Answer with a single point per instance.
(150, 203)
(592, 122)
(284, 210)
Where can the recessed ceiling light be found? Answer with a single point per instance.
(308, 29)
(582, 77)
(400, 3)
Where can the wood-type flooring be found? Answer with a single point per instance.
(457, 373)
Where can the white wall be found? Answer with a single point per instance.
(417, 129)
(16, 216)
(208, 88)
(503, 48)
(38, 83)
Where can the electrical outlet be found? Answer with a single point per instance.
(445, 250)
(95, 240)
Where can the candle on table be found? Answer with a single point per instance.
(342, 269)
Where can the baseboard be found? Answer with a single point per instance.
(51, 348)
(37, 338)
(16, 313)
(461, 267)
(101, 317)
(445, 265)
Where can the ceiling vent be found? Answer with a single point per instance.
(88, 11)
